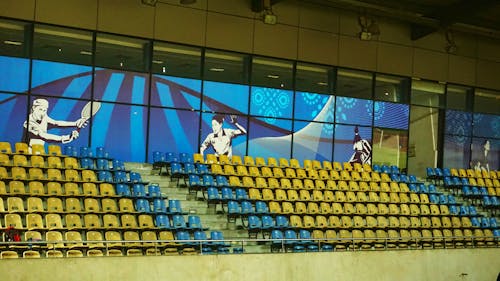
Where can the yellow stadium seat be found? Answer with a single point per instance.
(271, 162)
(54, 174)
(262, 183)
(267, 194)
(91, 205)
(229, 170)
(241, 171)
(17, 187)
(36, 174)
(248, 161)
(22, 148)
(329, 196)
(54, 150)
(128, 221)
(260, 162)
(110, 221)
(73, 221)
(53, 221)
(91, 221)
(109, 205)
(325, 208)
(54, 162)
(38, 149)
(71, 163)
(34, 221)
(126, 205)
(5, 147)
(327, 165)
(278, 172)
(223, 159)
(54, 205)
(20, 160)
(19, 173)
(74, 239)
(266, 172)
(4, 159)
(90, 189)
(35, 205)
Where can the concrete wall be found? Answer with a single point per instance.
(415, 265)
(304, 32)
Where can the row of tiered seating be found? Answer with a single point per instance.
(60, 208)
(270, 200)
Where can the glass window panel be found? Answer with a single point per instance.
(457, 97)
(272, 103)
(392, 88)
(176, 60)
(225, 97)
(121, 86)
(125, 53)
(312, 140)
(14, 38)
(59, 122)
(314, 78)
(314, 107)
(61, 79)
(226, 67)
(486, 125)
(354, 111)
(485, 153)
(458, 123)
(390, 147)
(391, 115)
(224, 134)
(179, 130)
(62, 44)
(486, 101)
(14, 74)
(121, 129)
(354, 83)
(176, 92)
(270, 139)
(13, 108)
(456, 151)
(272, 73)
(352, 146)
(427, 93)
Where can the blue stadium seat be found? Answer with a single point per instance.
(217, 238)
(213, 195)
(120, 177)
(202, 169)
(138, 190)
(412, 179)
(475, 222)
(194, 222)
(423, 188)
(134, 177)
(221, 181)
(446, 172)
(493, 222)
(171, 157)
(233, 208)
(385, 169)
(123, 190)
(413, 187)
(261, 207)
(433, 198)
(185, 158)
(443, 199)
(178, 222)
(403, 178)
(466, 191)
(102, 164)
(159, 205)
(439, 173)
(208, 180)
(291, 242)
(463, 211)
(158, 157)
(142, 205)
(282, 222)
(485, 222)
(70, 150)
(118, 165)
(254, 226)
(247, 208)
(226, 194)
(453, 210)
(105, 176)
(431, 174)
(267, 223)
(162, 222)
(376, 168)
(174, 206)
(87, 163)
(395, 177)
(277, 242)
(86, 152)
(154, 190)
(394, 169)
(451, 200)
(100, 152)
(310, 245)
(464, 181)
(472, 211)
(486, 202)
(189, 169)
(184, 235)
(241, 194)
(204, 244)
(432, 189)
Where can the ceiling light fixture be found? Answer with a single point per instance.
(87, 53)
(322, 83)
(157, 61)
(273, 76)
(217, 69)
(15, 43)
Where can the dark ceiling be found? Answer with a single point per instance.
(480, 17)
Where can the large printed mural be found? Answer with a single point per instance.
(134, 114)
